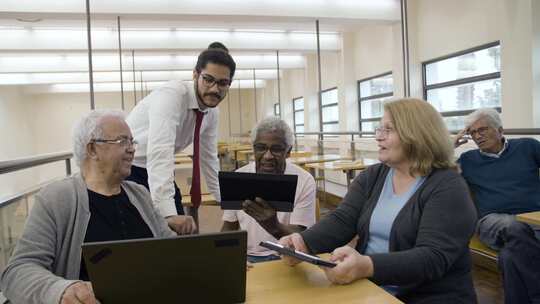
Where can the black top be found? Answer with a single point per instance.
(428, 255)
(112, 218)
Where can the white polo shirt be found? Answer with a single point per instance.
(303, 213)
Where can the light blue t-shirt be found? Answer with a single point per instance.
(386, 210)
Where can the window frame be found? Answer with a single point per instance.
(461, 81)
(295, 111)
(277, 109)
(321, 107)
(371, 97)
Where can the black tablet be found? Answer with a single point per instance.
(277, 189)
(297, 254)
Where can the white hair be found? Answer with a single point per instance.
(491, 115)
(273, 124)
(88, 128)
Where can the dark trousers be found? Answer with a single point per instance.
(519, 261)
(140, 176)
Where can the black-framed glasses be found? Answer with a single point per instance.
(122, 141)
(480, 131)
(209, 81)
(382, 132)
(276, 150)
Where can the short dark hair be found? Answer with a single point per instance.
(216, 53)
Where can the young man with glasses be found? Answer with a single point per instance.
(503, 178)
(272, 142)
(171, 118)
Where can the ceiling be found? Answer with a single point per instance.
(44, 37)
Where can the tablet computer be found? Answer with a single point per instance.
(277, 189)
(313, 259)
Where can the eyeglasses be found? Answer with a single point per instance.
(383, 132)
(209, 81)
(276, 150)
(123, 142)
(480, 131)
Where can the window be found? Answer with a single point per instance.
(298, 117)
(329, 110)
(276, 109)
(460, 83)
(373, 92)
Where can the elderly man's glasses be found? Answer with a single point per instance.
(209, 81)
(480, 131)
(123, 142)
(383, 132)
(276, 150)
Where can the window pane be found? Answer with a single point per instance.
(455, 123)
(468, 96)
(329, 97)
(299, 128)
(299, 117)
(331, 127)
(369, 126)
(373, 108)
(472, 64)
(376, 86)
(299, 104)
(330, 114)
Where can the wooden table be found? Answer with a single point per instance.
(275, 282)
(207, 199)
(347, 166)
(242, 154)
(183, 160)
(301, 161)
(301, 153)
(530, 218)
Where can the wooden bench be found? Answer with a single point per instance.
(482, 255)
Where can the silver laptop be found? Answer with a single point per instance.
(204, 268)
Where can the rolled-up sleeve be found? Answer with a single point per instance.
(164, 119)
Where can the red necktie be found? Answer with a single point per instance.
(196, 177)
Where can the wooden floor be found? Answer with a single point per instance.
(489, 289)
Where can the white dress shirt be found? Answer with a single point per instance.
(163, 124)
(303, 213)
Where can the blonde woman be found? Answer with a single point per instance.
(412, 214)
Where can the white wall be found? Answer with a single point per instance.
(17, 138)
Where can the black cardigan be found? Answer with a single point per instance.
(429, 255)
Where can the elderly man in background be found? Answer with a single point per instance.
(502, 175)
(93, 205)
(272, 142)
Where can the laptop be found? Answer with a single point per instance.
(204, 268)
(277, 189)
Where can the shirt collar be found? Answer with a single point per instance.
(194, 103)
(496, 155)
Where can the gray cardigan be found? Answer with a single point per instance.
(47, 258)
(429, 257)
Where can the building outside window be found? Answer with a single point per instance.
(298, 114)
(373, 92)
(460, 83)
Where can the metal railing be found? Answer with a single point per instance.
(320, 136)
(14, 208)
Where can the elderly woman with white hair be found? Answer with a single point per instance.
(93, 205)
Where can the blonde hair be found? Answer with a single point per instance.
(424, 137)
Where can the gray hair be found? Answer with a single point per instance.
(491, 115)
(273, 124)
(88, 128)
